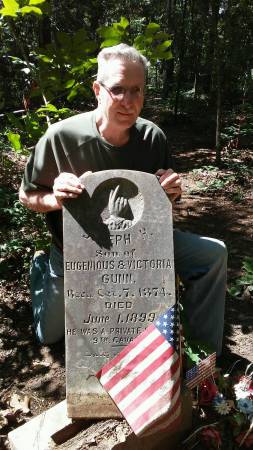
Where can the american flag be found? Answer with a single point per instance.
(144, 378)
(201, 371)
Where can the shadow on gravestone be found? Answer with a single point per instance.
(114, 205)
(90, 220)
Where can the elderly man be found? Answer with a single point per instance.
(113, 136)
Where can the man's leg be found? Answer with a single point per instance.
(201, 263)
(47, 291)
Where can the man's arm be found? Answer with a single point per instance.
(66, 185)
(170, 182)
(39, 201)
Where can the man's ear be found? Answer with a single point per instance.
(96, 88)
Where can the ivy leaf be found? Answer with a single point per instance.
(14, 139)
(30, 9)
(164, 46)
(153, 27)
(69, 84)
(124, 23)
(193, 356)
(49, 107)
(73, 93)
(10, 8)
(111, 42)
(45, 58)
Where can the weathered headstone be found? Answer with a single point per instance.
(119, 276)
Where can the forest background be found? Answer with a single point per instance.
(199, 90)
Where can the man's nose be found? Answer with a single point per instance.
(128, 97)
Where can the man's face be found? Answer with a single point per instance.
(120, 96)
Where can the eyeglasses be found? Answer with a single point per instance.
(119, 92)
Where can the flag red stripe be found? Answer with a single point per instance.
(191, 384)
(134, 362)
(205, 369)
(142, 376)
(151, 389)
(126, 350)
(167, 422)
(145, 416)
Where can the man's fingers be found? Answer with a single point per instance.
(174, 190)
(171, 187)
(170, 182)
(63, 195)
(67, 182)
(166, 179)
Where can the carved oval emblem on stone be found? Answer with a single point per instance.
(120, 202)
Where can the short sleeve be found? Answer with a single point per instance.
(41, 168)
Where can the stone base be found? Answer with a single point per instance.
(55, 430)
(39, 431)
(91, 406)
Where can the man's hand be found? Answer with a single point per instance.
(170, 182)
(67, 185)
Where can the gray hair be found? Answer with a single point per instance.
(123, 52)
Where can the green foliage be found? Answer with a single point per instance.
(214, 185)
(33, 125)
(211, 179)
(67, 67)
(238, 129)
(154, 43)
(194, 350)
(23, 231)
(244, 284)
(63, 69)
(115, 34)
(231, 179)
(13, 8)
(242, 172)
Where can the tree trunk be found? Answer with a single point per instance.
(181, 59)
(167, 77)
(168, 66)
(218, 117)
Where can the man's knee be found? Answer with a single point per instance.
(215, 250)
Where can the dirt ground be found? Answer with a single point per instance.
(33, 377)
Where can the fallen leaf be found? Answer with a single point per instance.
(20, 404)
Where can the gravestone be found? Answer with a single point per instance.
(118, 276)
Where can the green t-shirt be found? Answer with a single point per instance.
(75, 145)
